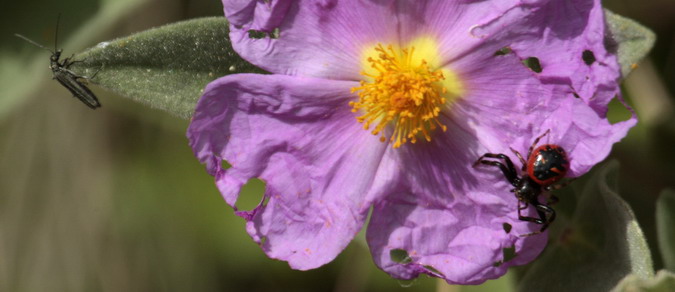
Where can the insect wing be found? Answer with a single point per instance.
(77, 88)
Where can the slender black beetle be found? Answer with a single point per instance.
(545, 165)
(69, 79)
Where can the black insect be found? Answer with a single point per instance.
(545, 165)
(62, 73)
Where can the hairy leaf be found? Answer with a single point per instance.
(663, 282)
(165, 67)
(665, 226)
(629, 39)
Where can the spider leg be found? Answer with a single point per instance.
(546, 217)
(543, 210)
(560, 185)
(532, 219)
(508, 170)
(520, 157)
(536, 141)
(522, 207)
(552, 199)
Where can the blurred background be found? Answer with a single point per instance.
(114, 200)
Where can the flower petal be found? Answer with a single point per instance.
(449, 216)
(571, 98)
(568, 39)
(299, 136)
(255, 14)
(586, 135)
(317, 38)
(323, 171)
(451, 22)
(462, 241)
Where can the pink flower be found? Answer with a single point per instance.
(434, 86)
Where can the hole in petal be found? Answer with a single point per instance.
(617, 112)
(508, 253)
(533, 64)
(224, 164)
(259, 34)
(576, 95)
(400, 256)
(256, 34)
(275, 33)
(588, 57)
(433, 270)
(507, 227)
(251, 194)
(503, 51)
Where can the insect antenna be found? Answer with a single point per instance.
(56, 34)
(32, 42)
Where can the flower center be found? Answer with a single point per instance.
(405, 94)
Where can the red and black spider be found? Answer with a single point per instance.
(545, 165)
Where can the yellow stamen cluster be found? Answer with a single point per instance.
(405, 94)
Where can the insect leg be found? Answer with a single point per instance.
(94, 76)
(74, 75)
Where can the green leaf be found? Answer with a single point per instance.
(665, 228)
(601, 245)
(166, 67)
(663, 282)
(629, 39)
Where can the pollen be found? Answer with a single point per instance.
(400, 92)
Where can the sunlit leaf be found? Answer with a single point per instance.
(629, 39)
(165, 67)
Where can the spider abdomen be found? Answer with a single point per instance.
(547, 164)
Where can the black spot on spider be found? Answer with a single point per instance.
(588, 57)
(533, 64)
